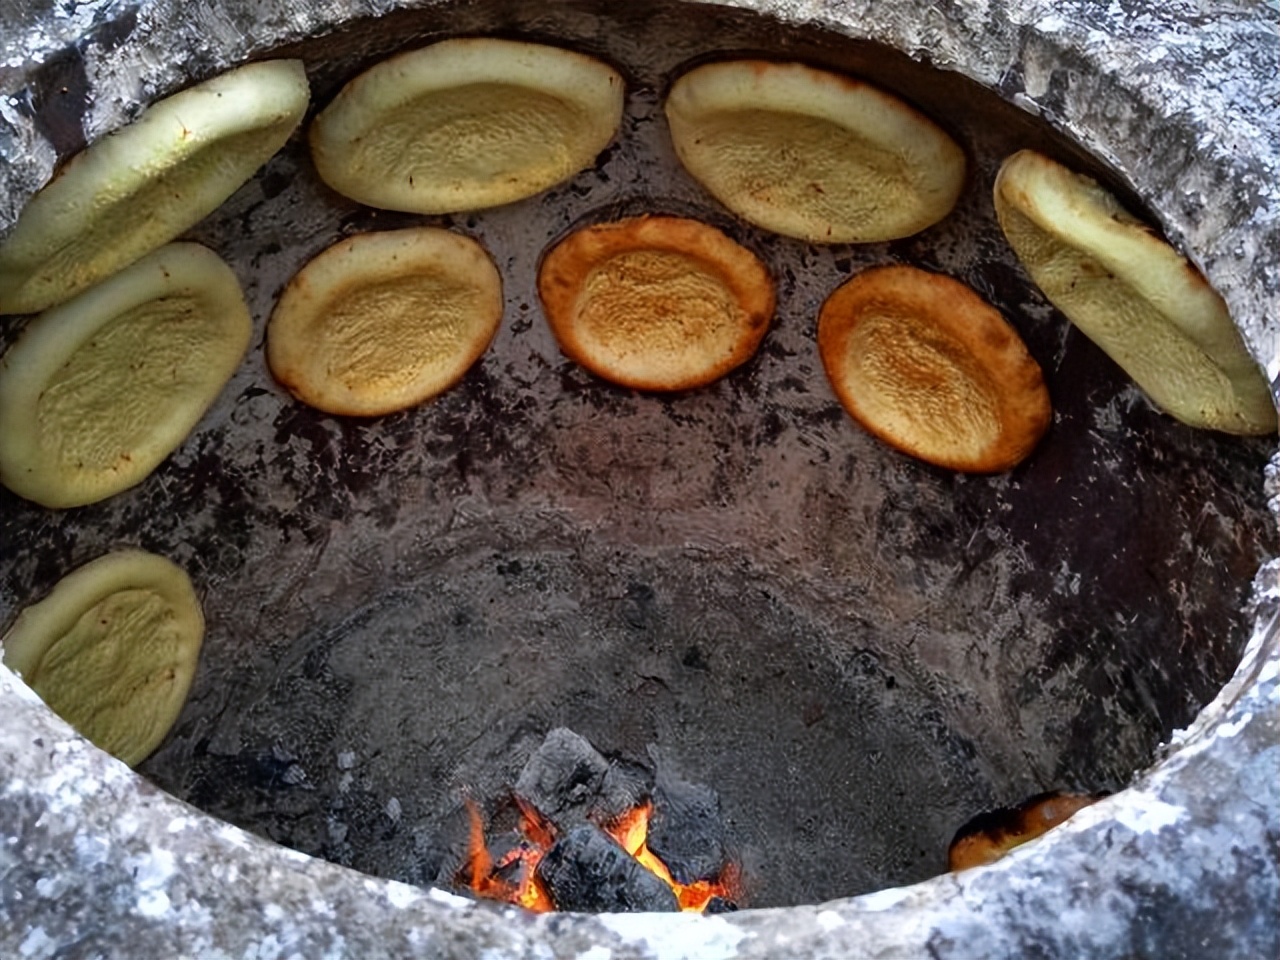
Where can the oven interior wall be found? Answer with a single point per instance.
(856, 650)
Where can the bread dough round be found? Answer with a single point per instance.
(656, 303)
(112, 650)
(931, 368)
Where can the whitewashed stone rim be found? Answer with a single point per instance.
(946, 37)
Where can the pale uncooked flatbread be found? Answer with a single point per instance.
(813, 154)
(1133, 295)
(112, 650)
(141, 186)
(465, 124)
(99, 390)
(656, 303)
(934, 370)
(383, 321)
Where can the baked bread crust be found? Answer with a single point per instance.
(813, 154)
(380, 322)
(928, 366)
(465, 124)
(989, 836)
(1133, 295)
(656, 303)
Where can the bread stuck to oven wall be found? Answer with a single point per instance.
(929, 367)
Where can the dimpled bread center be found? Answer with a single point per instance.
(111, 674)
(920, 384)
(1161, 359)
(386, 336)
(659, 308)
(812, 166)
(474, 135)
(108, 400)
(103, 245)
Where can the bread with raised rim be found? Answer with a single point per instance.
(97, 391)
(656, 303)
(141, 186)
(113, 649)
(813, 154)
(384, 321)
(928, 366)
(1133, 295)
(989, 836)
(465, 124)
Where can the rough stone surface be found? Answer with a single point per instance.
(1184, 863)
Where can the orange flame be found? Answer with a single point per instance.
(534, 826)
(631, 831)
(484, 880)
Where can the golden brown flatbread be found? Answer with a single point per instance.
(989, 836)
(384, 321)
(1133, 295)
(656, 303)
(928, 366)
(813, 154)
(465, 124)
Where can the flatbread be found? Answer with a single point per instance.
(813, 154)
(928, 366)
(988, 837)
(98, 391)
(466, 124)
(141, 186)
(113, 649)
(656, 303)
(1133, 295)
(384, 321)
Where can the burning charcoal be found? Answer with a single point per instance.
(562, 779)
(686, 831)
(626, 785)
(587, 871)
(512, 860)
(719, 905)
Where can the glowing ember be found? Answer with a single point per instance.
(632, 832)
(513, 878)
(487, 878)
